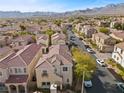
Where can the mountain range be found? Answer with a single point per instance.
(111, 9)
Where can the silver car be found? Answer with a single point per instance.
(88, 83)
(120, 86)
(100, 62)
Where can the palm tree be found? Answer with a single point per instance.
(50, 32)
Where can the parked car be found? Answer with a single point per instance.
(90, 50)
(73, 44)
(120, 86)
(88, 83)
(100, 62)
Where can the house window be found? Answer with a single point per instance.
(10, 70)
(48, 83)
(68, 80)
(16, 71)
(44, 73)
(114, 56)
(0, 73)
(121, 51)
(117, 58)
(24, 70)
(19, 70)
(43, 83)
(65, 69)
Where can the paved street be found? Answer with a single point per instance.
(103, 81)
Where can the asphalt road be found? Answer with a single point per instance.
(103, 81)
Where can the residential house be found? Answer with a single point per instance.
(4, 51)
(88, 31)
(42, 39)
(79, 26)
(34, 29)
(17, 69)
(22, 41)
(113, 23)
(103, 23)
(58, 38)
(8, 29)
(66, 25)
(118, 35)
(104, 42)
(118, 53)
(5, 40)
(55, 67)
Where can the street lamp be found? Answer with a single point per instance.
(82, 91)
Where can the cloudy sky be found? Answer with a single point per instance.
(52, 5)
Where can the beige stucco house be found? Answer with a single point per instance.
(104, 42)
(58, 38)
(118, 53)
(88, 31)
(118, 35)
(17, 69)
(55, 67)
(42, 39)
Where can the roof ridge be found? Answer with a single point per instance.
(22, 59)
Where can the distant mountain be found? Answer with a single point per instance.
(111, 9)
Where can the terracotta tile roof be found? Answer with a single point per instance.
(28, 54)
(17, 79)
(22, 57)
(44, 37)
(119, 34)
(23, 38)
(120, 45)
(57, 53)
(58, 36)
(102, 35)
(5, 60)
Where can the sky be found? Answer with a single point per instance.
(53, 5)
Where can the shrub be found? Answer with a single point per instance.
(104, 30)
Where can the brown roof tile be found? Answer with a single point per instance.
(17, 79)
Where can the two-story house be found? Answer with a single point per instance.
(104, 42)
(17, 69)
(88, 31)
(55, 67)
(58, 38)
(118, 35)
(42, 39)
(22, 40)
(118, 53)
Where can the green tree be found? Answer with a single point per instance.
(22, 27)
(84, 63)
(118, 26)
(104, 30)
(58, 22)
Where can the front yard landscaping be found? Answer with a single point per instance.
(116, 67)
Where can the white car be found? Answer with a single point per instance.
(100, 62)
(88, 83)
(90, 50)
